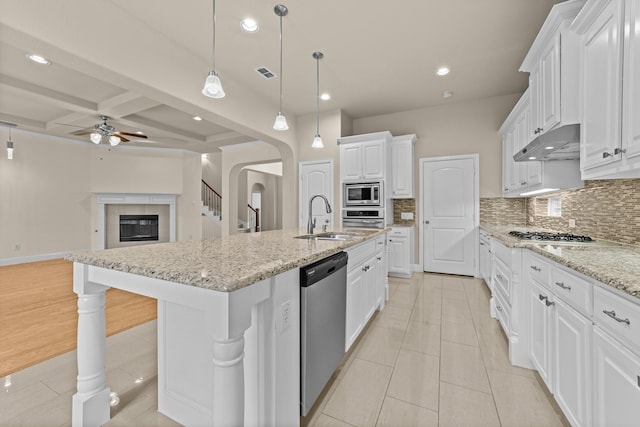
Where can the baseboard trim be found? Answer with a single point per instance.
(35, 258)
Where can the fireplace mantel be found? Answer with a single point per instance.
(104, 199)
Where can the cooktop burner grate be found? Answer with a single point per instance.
(554, 237)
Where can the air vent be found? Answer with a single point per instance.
(266, 73)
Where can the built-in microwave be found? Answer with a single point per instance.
(362, 194)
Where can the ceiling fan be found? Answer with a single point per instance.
(104, 131)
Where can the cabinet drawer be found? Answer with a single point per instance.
(538, 269)
(503, 253)
(399, 232)
(502, 279)
(503, 312)
(362, 252)
(572, 289)
(618, 316)
(380, 243)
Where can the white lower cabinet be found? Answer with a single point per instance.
(400, 253)
(366, 284)
(572, 364)
(540, 319)
(616, 382)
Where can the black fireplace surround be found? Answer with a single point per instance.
(138, 228)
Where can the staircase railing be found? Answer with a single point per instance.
(254, 217)
(212, 199)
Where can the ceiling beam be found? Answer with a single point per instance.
(135, 119)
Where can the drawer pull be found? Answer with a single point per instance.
(499, 276)
(536, 268)
(612, 314)
(563, 286)
(498, 308)
(542, 297)
(549, 303)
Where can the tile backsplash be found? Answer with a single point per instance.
(404, 205)
(603, 209)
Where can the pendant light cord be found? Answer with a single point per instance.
(280, 106)
(213, 37)
(318, 96)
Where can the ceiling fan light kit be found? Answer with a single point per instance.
(213, 85)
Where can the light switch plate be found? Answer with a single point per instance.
(406, 215)
(572, 223)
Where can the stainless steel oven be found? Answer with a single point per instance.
(362, 194)
(364, 218)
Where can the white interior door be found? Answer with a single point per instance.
(449, 214)
(316, 178)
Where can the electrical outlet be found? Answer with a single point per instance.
(406, 215)
(18, 246)
(285, 315)
(572, 223)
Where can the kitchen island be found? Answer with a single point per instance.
(228, 324)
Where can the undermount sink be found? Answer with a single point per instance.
(328, 236)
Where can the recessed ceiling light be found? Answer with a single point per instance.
(39, 59)
(447, 94)
(532, 158)
(139, 132)
(249, 25)
(197, 118)
(551, 147)
(325, 96)
(443, 71)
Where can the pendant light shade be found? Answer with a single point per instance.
(317, 140)
(281, 122)
(212, 85)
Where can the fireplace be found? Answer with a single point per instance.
(138, 228)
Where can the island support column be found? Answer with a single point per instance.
(91, 401)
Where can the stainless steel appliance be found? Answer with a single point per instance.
(323, 308)
(553, 237)
(367, 218)
(362, 194)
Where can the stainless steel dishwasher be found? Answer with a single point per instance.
(323, 309)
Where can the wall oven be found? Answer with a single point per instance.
(364, 218)
(362, 194)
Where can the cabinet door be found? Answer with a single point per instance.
(540, 331)
(399, 255)
(534, 106)
(631, 93)
(402, 169)
(373, 159)
(549, 90)
(507, 163)
(351, 161)
(601, 88)
(381, 274)
(370, 288)
(616, 383)
(572, 345)
(354, 305)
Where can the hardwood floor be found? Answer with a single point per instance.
(38, 312)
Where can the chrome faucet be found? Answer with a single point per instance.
(312, 223)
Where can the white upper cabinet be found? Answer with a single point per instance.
(610, 110)
(402, 166)
(364, 157)
(553, 66)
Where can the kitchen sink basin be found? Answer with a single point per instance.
(329, 236)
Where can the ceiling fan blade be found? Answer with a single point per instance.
(122, 138)
(82, 132)
(135, 135)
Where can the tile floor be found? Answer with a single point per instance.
(433, 357)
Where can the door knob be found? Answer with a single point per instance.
(426, 221)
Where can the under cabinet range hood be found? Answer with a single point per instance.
(562, 143)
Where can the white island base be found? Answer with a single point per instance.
(224, 358)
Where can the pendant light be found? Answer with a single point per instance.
(212, 85)
(281, 121)
(317, 141)
(9, 147)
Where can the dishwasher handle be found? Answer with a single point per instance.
(319, 270)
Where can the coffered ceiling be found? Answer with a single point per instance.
(143, 62)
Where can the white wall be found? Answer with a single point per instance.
(46, 193)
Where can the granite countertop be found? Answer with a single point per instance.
(613, 264)
(223, 263)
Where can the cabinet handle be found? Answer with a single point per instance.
(523, 182)
(612, 314)
(605, 155)
(542, 297)
(549, 303)
(498, 308)
(499, 276)
(380, 243)
(506, 189)
(481, 244)
(426, 221)
(379, 258)
(536, 268)
(563, 286)
(619, 151)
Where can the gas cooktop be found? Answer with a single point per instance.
(553, 237)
